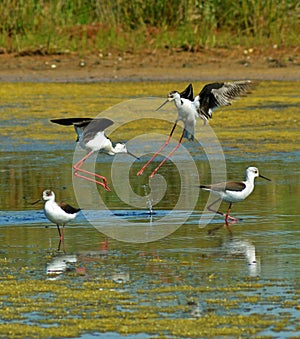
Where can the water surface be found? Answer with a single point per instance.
(193, 282)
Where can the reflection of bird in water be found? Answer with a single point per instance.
(236, 246)
(233, 191)
(59, 213)
(90, 135)
(60, 264)
(189, 108)
(120, 276)
(195, 309)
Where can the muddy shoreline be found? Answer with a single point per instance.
(208, 65)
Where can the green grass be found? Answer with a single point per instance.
(60, 26)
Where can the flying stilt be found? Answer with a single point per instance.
(91, 136)
(211, 97)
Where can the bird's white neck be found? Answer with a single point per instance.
(109, 149)
(112, 150)
(50, 200)
(178, 101)
(250, 179)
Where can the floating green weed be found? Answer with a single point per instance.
(74, 305)
(67, 309)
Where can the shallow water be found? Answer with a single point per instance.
(191, 272)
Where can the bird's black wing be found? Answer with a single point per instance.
(94, 127)
(97, 125)
(188, 93)
(215, 95)
(68, 208)
(71, 121)
(236, 186)
(88, 126)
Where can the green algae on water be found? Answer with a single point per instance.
(264, 121)
(68, 309)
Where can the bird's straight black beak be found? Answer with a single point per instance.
(35, 202)
(261, 176)
(133, 155)
(163, 104)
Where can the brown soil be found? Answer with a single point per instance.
(166, 65)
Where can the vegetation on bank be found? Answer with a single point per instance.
(59, 26)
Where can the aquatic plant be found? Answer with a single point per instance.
(39, 309)
(266, 117)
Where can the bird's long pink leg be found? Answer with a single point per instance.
(58, 229)
(61, 238)
(228, 227)
(167, 156)
(77, 168)
(227, 216)
(63, 233)
(141, 171)
(59, 244)
(212, 210)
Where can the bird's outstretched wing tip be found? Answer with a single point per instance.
(69, 121)
(83, 122)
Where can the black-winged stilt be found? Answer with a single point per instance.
(233, 191)
(59, 213)
(211, 97)
(91, 136)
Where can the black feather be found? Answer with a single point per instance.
(70, 121)
(188, 93)
(68, 208)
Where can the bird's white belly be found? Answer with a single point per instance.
(98, 142)
(57, 215)
(187, 113)
(236, 196)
